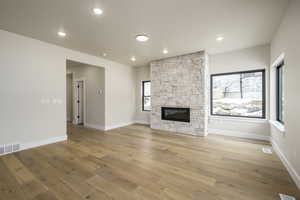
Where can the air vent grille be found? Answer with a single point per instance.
(9, 148)
(16, 147)
(1, 149)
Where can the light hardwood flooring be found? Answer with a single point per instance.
(135, 162)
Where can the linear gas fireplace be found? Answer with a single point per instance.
(175, 114)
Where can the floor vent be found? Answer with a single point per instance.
(16, 147)
(267, 150)
(9, 148)
(286, 197)
(2, 149)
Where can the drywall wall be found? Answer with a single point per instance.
(141, 74)
(119, 96)
(94, 80)
(287, 41)
(241, 60)
(69, 97)
(33, 89)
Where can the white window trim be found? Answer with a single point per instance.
(278, 60)
(240, 119)
(279, 126)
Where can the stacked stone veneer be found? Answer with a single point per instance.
(181, 81)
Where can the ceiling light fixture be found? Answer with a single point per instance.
(104, 54)
(142, 38)
(220, 38)
(165, 51)
(61, 34)
(98, 11)
(133, 59)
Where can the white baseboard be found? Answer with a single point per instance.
(118, 125)
(43, 142)
(238, 134)
(295, 176)
(142, 122)
(102, 128)
(98, 127)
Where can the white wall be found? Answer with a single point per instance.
(33, 89)
(241, 60)
(94, 78)
(287, 41)
(141, 74)
(119, 96)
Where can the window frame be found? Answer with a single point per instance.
(279, 93)
(263, 71)
(143, 95)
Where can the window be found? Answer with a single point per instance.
(280, 93)
(238, 94)
(146, 96)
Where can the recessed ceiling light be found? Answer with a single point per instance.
(165, 51)
(133, 59)
(98, 11)
(220, 38)
(142, 38)
(61, 34)
(104, 54)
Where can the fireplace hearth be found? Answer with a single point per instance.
(175, 114)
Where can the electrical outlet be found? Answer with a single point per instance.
(286, 197)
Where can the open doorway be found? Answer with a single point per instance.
(85, 95)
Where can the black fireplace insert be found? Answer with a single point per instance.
(175, 114)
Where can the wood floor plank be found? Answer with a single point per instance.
(9, 186)
(136, 162)
(17, 169)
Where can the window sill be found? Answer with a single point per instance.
(240, 119)
(280, 127)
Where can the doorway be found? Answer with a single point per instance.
(85, 95)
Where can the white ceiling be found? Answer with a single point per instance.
(181, 26)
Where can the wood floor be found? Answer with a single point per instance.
(135, 162)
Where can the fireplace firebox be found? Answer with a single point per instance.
(175, 114)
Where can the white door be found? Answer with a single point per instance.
(79, 94)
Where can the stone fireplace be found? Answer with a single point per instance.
(179, 94)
